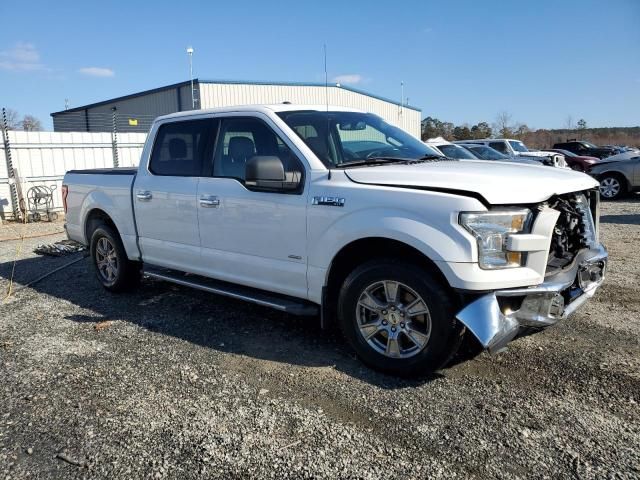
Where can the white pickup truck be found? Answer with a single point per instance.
(334, 212)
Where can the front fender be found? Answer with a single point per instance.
(440, 241)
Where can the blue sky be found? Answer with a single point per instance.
(461, 61)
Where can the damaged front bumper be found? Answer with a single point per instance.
(496, 318)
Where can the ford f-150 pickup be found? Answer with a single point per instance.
(335, 213)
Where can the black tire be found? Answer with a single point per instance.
(127, 274)
(445, 332)
(608, 183)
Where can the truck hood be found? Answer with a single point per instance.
(498, 183)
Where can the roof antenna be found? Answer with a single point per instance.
(326, 98)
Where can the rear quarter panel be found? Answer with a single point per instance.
(109, 193)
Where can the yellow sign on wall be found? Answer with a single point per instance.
(133, 122)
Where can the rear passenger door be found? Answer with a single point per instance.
(164, 194)
(250, 237)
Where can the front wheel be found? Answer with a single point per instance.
(611, 187)
(398, 318)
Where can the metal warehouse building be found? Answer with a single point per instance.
(135, 112)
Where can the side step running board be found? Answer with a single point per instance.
(283, 303)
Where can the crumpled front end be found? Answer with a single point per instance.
(575, 269)
(497, 317)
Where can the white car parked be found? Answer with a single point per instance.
(515, 148)
(450, 150)
(335, 212)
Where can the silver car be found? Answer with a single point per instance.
(618, 177)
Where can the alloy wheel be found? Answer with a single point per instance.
(610, 187)
(393, 319)
(106, 260)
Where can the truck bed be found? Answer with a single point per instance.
(107, 190)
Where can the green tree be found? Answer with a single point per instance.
(462, 133)
(431, 128)
(582, 124)
(481, 130)
(447, 130)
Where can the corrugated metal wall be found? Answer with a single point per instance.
(227, 94)
(142, 109)
(42, 158)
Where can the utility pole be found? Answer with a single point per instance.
(193, 97)
(114, 136)
(11, 174)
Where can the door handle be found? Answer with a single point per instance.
(209, 201)
(143, 196)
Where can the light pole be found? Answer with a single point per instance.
(190, 54)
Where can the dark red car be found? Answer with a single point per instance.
(576, 162)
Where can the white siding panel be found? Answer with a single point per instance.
(42, 158)
(228, 94)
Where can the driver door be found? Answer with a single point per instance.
(253, 238)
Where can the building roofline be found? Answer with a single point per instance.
(233, 82)
(126, 97)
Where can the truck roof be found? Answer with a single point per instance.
(278, 107)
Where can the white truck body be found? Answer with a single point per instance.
(287, 244)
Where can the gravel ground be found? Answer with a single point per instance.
(15, 230)
(174, 383)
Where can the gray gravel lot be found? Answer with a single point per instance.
(174, 383)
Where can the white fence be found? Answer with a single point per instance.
(42, 158)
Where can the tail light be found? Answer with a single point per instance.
(65, 192)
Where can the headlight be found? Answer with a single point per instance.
(491, 230)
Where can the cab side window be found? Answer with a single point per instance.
(499, 146)
(179, 148)
(241, 139)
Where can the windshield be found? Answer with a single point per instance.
(589, 144)
(487, 153)
(340, 138)
(518, 146)
(457, 152)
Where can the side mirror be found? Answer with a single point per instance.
(267, 173)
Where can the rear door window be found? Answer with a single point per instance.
(180, 148)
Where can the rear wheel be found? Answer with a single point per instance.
(612, 187)
(113, 269)
(398, 318)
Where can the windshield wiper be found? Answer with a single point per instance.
(374, 161)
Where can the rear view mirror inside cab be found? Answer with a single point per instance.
(355, 125)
